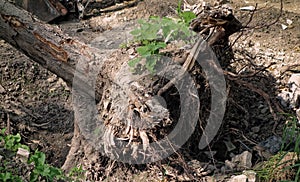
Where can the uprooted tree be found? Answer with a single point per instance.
(118, 113)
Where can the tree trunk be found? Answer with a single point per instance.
(57, 52)
(47, 45)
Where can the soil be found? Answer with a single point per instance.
(38, 105)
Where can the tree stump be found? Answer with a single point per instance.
(117, 113)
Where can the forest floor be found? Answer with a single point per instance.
(38, 105)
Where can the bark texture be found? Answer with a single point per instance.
(59, 53)
(47, 45)
(128, 110)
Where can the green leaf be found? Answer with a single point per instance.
(24, 147)
(150, 63)
(179, 7)
(187, 16)
(136, 32)
(161, 45)
(167, 27)
(3, 131)
(141, 21)
(144, 50)
(41, 158)
(155, 33)
(55, 172)
(45, 170)
(133, 62)
(186, 31)
(38, 158)
(33, 176)
(17, 137)
(9, 143)
(154, 18)
(7, 176)
(151, 32)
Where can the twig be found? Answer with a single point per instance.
(207, 142)
(119, 7)
(236, 39)
(182, 161)
(270, 24)
(8, 124)
(27, 111)
(109, 169)
(191, 58)
(186, 66)
(242, 134)
(263, 94)
(256, 27)
(288, 67)
(248, 75)
(251, 16)
(247, 115)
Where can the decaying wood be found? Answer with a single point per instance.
(218, 23)
(44, 9)
(61, 54)
(47, 45)
(58, 53)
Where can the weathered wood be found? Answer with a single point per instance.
(48, 45)
(65, 56)
(61, 54)
(46, 10)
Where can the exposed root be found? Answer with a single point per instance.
(261, 93)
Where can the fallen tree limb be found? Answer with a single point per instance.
(47, 45)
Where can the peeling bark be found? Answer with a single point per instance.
(47, 45)
(57, 52)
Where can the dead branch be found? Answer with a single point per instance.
(248, 75)
(48, 45)
(261, 93)
(289, 67)
(264, 25)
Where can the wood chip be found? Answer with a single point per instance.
(2, 90)
(247, 8)
(23, 154)
(145, 139)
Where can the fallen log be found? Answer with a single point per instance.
(44, 9)
(47, 45)
(59, 53)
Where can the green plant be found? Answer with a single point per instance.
(291, 142)
(270, 170)
(76, 174)
(154, 35)
(9, 177)
(41, 169)
(291, 135)
(185, 16)
(160, 30)
(12, 142)
(149, 52)
(285, 164)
